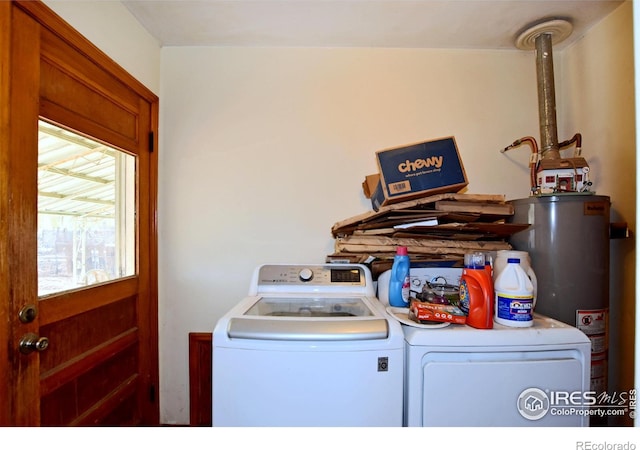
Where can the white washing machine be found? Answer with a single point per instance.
(310, 346)
(461, 376)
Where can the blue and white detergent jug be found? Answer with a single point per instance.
(514, 296)
(399, 283)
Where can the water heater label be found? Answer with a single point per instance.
(595, 209)
(592, 322)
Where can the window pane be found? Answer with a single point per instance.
(86, 211)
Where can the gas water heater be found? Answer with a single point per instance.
(568, 243)
(568, 236)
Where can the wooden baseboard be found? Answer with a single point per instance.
(200, 346)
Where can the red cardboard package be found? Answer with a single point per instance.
(422, 312)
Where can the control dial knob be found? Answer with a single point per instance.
(306, 274)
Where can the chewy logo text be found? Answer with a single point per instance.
(418, 164)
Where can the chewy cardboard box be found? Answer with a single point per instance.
(418, 170)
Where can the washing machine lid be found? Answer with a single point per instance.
(314, 318)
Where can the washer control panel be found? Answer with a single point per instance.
(315, 275)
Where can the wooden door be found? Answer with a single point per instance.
(101, 363)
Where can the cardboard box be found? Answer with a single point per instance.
(418, 170)
(370, 184)
(424, 312)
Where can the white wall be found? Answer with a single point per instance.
(262, 150)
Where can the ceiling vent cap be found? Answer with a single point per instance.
(560, 29)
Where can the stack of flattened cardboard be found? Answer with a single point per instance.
(440, 228)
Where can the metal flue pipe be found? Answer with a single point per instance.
(539, 37)
(546, 97)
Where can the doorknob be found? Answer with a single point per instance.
(31, 342)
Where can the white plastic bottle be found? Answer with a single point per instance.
(514, 296)
(399, 282)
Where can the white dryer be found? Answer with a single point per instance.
(310, 346)
(461, 376)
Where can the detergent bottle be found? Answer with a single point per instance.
(476, 291)
(514, 296)
(399, 283)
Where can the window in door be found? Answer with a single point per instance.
(86, 211)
